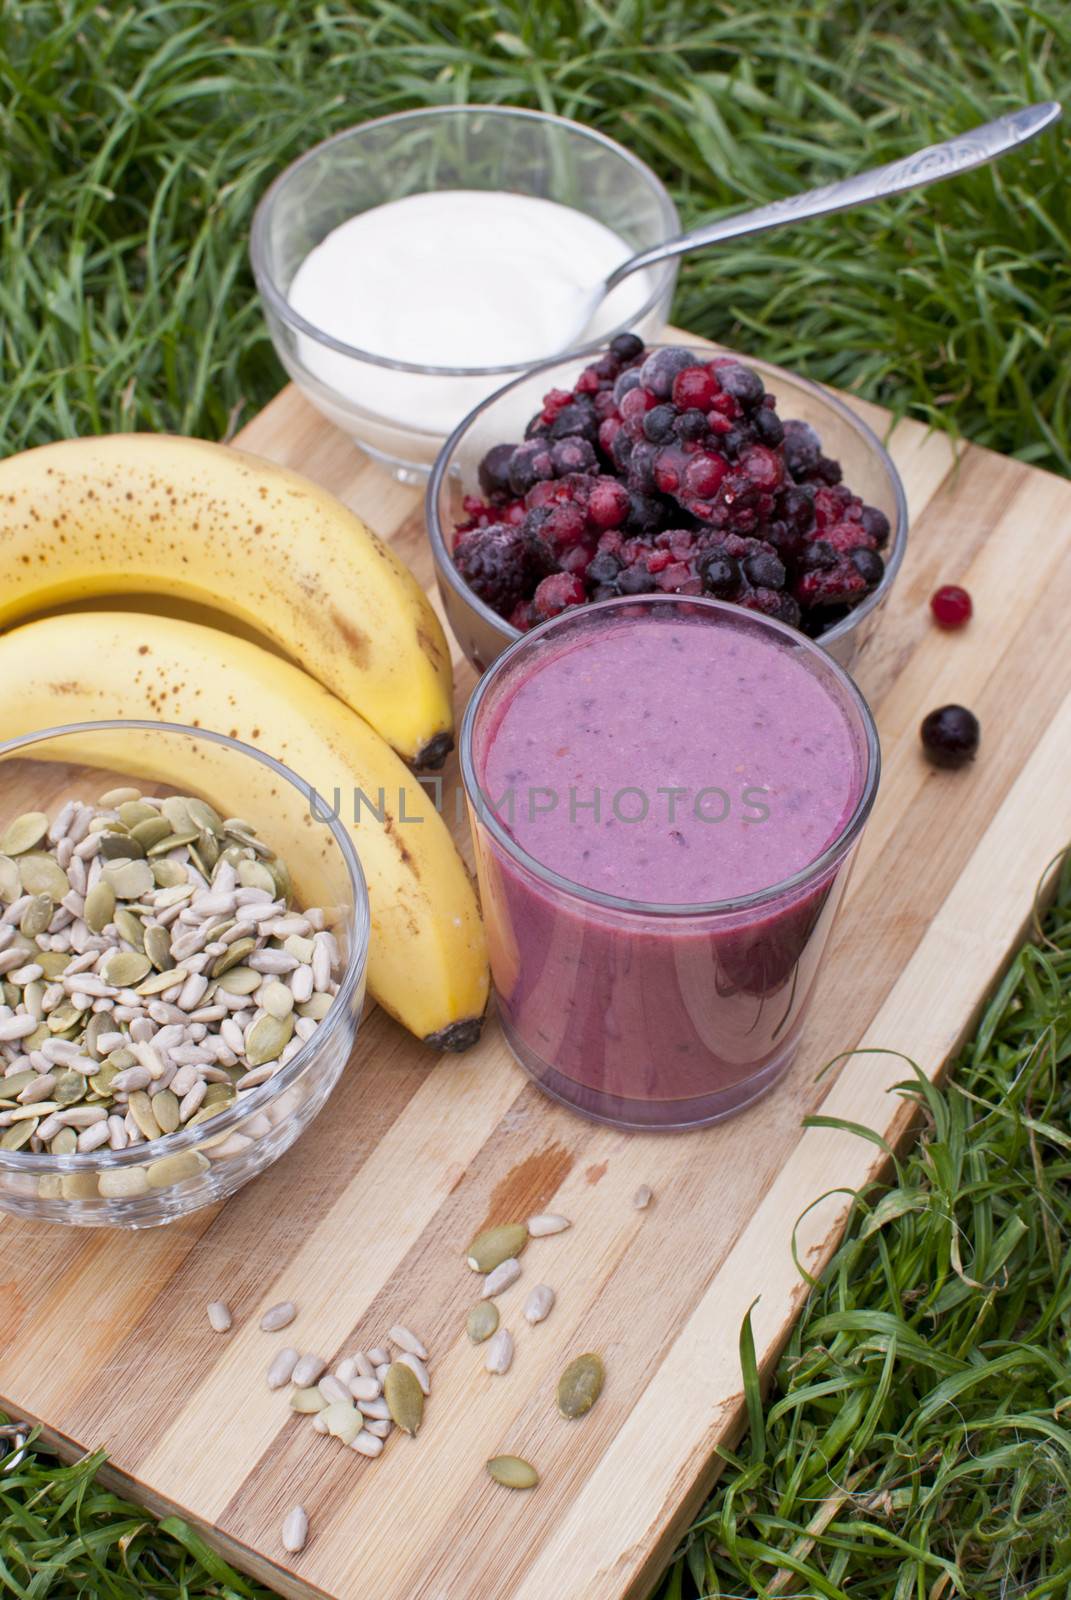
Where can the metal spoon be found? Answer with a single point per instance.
(937, 161)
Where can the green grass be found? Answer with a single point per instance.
(914, 1444)
(136, 137)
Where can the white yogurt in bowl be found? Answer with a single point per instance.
(412, 266)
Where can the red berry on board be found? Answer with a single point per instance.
(951, 606)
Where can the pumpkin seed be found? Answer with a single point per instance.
(120, 847)
(140, 1107)
(54, 963)
(64, 1144)
(274, 997)
(267, 1038)
(202, 815)
(125, 968)
(10, 883)
(41, 874)
(120, 1182)
(308, 1401)
(129, 879)
(78, 1186)
(513, 1472)
(12, 1086)
(37, 916)
(284, 888)
(343, 1420)
(316, 1007)
(63, 1018)
(157, 944)
(175, 1169)
(173, 841)
(116, 797)
(22, 834)
(219, 1095)
(165, 1108)
(134, 812)
(151, 831)
(129, 927)
(168, 874)
(99, 905)
(239, 980)
(233, 956)
(69, 1089)
(404, 1397)
(50, 1187)
(489, 1249)
(173, 807)
(254, 875)
(157, 982)
(580, 1385)
(19, 1133)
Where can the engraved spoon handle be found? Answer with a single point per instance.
(937, 161)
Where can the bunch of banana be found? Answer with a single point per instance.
(136, 513)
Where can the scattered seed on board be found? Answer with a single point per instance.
(378, 1357)
(295, 1530)
(496, 1282)
(365, 1388)
(643, 1197)
(308, 1370)
(310, 1401)
(405, 1339)
(499, 1357)
(489, 1249)
(280, 1316)
(333, 1389)
(405, 1398)
(545, 1224)
(580, 1385)
(219, 1315)
(539, 1303)
(417, 1367)
(282, 1369)
(482, 1321)
(512, 1472)
(367, 1444)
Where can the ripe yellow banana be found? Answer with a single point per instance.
(427, 960)
(145, 513)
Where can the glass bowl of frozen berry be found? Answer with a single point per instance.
(662, 468)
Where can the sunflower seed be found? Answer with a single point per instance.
(219, 1315)
(366, 1444)
(122, 1182)
(333, 1389)
(489, 1249)
(177, 1168)
(547, 1223)
(643, 1197)
(417, 1367)
(499, 1357)
(506, 1273)
(295, 1530)
(278, 1316)
(405, 1339)
(362, 1388)
(512, 1472)
(580, 1385)
(282, 1368)
(308, 1370)
(539, 1303)
(378, 1427)
(404, 1398)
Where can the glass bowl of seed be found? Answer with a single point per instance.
(183, 941)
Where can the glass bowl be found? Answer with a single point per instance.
(397, 411)
(868, 470)
(167, 1178)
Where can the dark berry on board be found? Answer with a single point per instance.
(951, 606)
(950, 736)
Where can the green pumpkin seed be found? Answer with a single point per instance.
(253, 875)
(301, 949)
(78, 1186)
(176, 894)
(275, 998)
(140, 1108)
(284, 888)
(111, 798)
(101, 1083)
(63, 1018)
(99, 906)
(239, 980)
(482, 1321)
(218, 1095)
(175, 1169)
(22, 834)
(98, 1023)
(129, 927)
(233, 956)
(18, 1134)
(404, 1397)
(122, 1181)
(203, 816)
(120, 1059)
(37, 916)
(125, 968)
(157, 942)
(317, 1007)
(489, 1249)
(106, 824)
(307, 1401)
(40, 874)
(168, 874)
(580, 1385)
(151, 831)
(64, 1144)
(174, 809)
(54, 963)
(157, 982)
(512, 1472)
(120, 847)
(50, 1187)
(69, 1089)
(133, 812)
(208, 849)
(130, 879)
(174, 841)
(11, 1087)
(10, 882)
(267, 1038)
(165, 1108)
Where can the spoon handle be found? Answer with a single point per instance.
(937, 161)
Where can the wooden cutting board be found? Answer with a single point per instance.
(103, 1337)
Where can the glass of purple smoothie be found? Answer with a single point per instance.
(665, 794)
